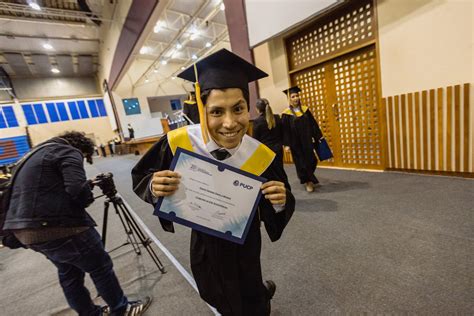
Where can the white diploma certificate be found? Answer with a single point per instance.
(212, 197)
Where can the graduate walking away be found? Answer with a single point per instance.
(300, 132)
(228, 275)
(267, 129)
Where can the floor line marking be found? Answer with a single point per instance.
(167, 253)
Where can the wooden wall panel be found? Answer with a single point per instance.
(411, 158)
(404, 130)
(467, 150)
(398, 147)
(440, 129)
(449, 115)
(390, 133)
(457, 127)
(417, 130)
(429, 131)
(348, 29)
(424, 131)
(433, 127)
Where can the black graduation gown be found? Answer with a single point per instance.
(273, 138)
(300, 133)
(191, 110)
(228, 275)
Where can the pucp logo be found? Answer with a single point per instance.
(243, 185)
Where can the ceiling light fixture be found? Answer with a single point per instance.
(144, 50)
(179, 46)
(208, 44)
(164, 62)
(146, 80)
(194, 35)
(34, 5)
(172, 78)
(47, 46)
(183, 68)
(222, 7)
(55, 70)
(194, 56)
(157, 27)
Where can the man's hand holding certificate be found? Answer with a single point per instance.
(211, 197)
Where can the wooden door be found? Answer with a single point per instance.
(333, 60)
(343, 97)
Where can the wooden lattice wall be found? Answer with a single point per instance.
(431, 130)
(334, 63)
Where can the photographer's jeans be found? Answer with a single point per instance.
(76, 255)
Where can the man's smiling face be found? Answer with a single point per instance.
(227, 116)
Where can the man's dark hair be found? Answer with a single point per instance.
(205, 95)
(79, 141)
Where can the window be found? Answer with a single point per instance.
(39, 111)
(73, 109)
(7, 117)
(93, 108)
(29, 114)
(132, 106)
(53, 112)
(82, 109)
(100, 105)
(56, 111)
(175, 104)
(62, 111)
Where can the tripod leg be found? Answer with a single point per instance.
(145, 241)
(126, 226)
(104, 221)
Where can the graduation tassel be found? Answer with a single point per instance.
(202, 114)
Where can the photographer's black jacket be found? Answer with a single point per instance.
(51, 190)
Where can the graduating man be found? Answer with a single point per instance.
(300, 132)
(190, 109)
(228, 275)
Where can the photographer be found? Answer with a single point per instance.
(47, 214)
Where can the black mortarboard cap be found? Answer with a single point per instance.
(222, 70)
(294, 89)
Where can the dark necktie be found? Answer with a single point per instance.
(220, 154)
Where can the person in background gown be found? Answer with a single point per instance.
(300, 132)
(267, 129)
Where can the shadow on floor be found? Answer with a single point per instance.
(330, 186)
(316, 205)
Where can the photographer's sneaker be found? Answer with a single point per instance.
(138, 307)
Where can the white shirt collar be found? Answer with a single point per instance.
(212, 145)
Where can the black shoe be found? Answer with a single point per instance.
(138, 307)
(271, 288)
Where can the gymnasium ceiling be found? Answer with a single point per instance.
(61, 38)
(58, 34)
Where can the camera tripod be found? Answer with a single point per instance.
(132, 229)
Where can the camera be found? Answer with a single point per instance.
(106, 183)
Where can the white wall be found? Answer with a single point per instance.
(145, 124)
(44, 88)
(425, 44)
(271, 58)
(269, 18)
(110, 34)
